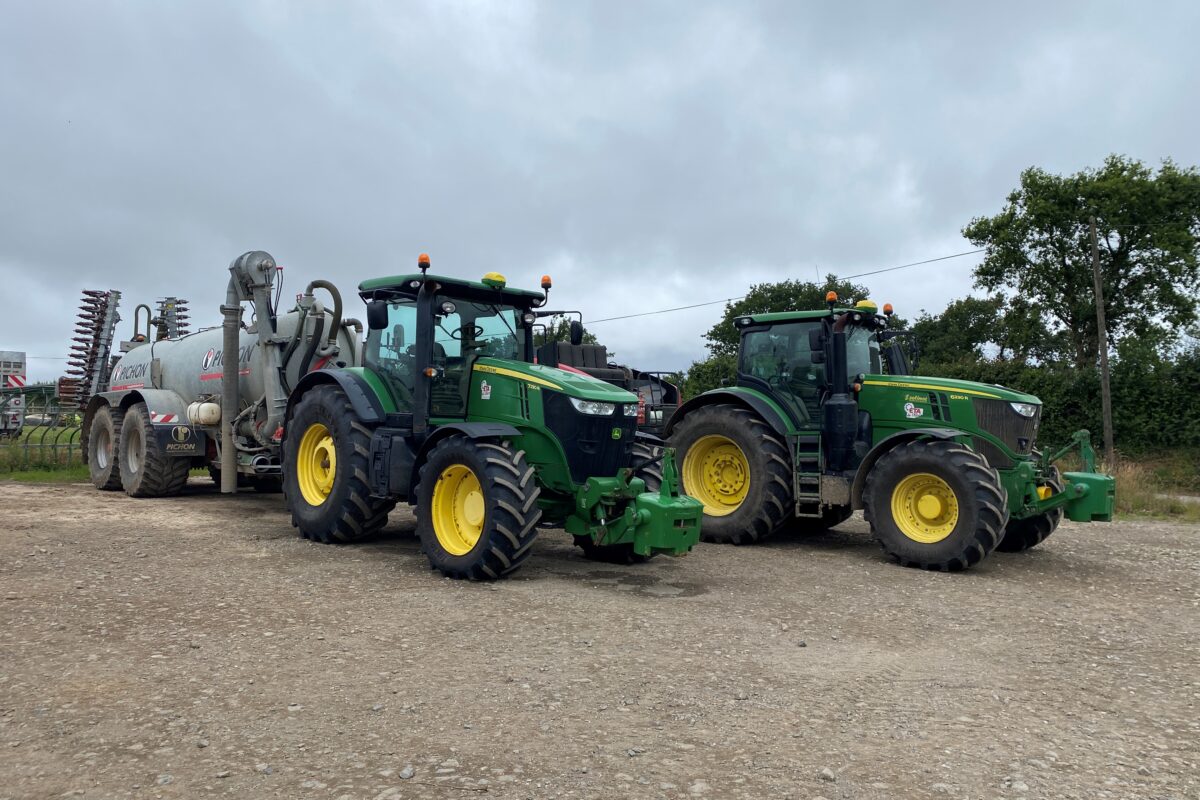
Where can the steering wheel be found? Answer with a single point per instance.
(457, 333)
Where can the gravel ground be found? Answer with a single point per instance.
(195, 646)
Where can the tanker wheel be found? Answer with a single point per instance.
(326, 460)
(477, 509)
(146, 469)
(1022, 534)
(739, 470)
(103, 445)
(935, 505)
(623, 553)
(831, 516)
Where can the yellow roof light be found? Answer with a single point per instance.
(867, 306)
(495, 280)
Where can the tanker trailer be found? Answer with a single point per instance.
(165, 409)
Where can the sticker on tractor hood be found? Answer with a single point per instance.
(485, 390)
(912, 412)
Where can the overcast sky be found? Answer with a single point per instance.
(646, 155)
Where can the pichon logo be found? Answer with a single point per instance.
(208, 359)
(180, 433)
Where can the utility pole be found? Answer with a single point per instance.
(1102, 333)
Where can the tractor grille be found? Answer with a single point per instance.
(588, 440)
(998, 418)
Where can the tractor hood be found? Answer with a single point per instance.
(572, 384)
(952, 386)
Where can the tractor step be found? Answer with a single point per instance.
(806, 489)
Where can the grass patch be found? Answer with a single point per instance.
(75, 473)
(1152, 488)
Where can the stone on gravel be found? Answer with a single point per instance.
(827, 774)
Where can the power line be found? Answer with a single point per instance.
(742, 297)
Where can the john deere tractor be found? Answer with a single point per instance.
(825, 418)
(448, 413)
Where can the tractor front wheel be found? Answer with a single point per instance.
(146, 469)
(477, 509)
(1022, 534)
(326, 458)
(104, 438)
(935, 504)
(735, 465)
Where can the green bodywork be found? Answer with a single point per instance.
(902, 404)
(610, 509)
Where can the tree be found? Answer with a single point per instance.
(559, 330)
(1148, 226)
(764, 298)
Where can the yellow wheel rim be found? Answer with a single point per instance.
(925, 508)
(316, 464)
(717, 473)
(458, 509)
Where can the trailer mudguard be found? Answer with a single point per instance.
(368, 406)
(747, 398)
(883, 446)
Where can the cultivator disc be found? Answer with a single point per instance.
(91, 348)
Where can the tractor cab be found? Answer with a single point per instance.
(788, 355)
(439, 327)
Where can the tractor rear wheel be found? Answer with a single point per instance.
(1022, 534)
(623, 553)
(326, 458)
(477, 509)
(935, 504)
(103, 445)
(735, 465)
(146, 469)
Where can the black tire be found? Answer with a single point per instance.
(831, 516)
(348, 512)
(1022, 534)
(508, 510)
(982, 504)
(146, 469)
(104, 445)
(623, 553)
(768, 502)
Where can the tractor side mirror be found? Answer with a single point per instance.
(816, 340)
(397, 337)
(377, 315)
(576, 332)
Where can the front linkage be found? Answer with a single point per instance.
(624, 512)
(1087, 496)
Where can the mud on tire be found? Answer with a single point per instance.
(982, 504)
(349, 512)
(505, 510)
(146, 469)
(768, 502)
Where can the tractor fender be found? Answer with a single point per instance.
(891, 442)
(362, 397)
(745, 400)
(471, 430)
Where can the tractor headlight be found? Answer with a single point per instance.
(1024, 409)
(593, 407)
(631, 409)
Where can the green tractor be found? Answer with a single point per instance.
(825, 418)
(448, 413)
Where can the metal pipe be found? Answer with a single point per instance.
(230, 328)
(337, 309)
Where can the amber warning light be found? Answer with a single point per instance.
(546, 282)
